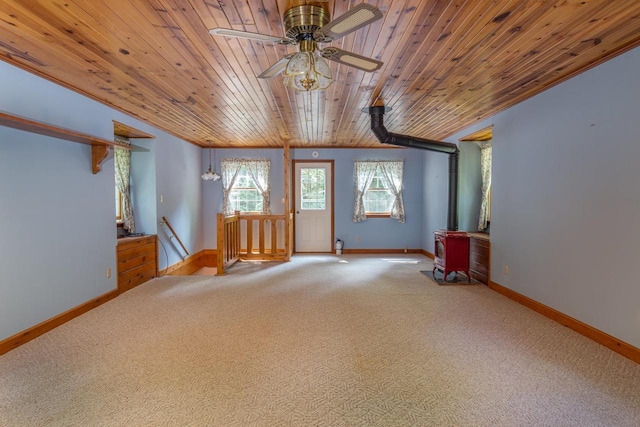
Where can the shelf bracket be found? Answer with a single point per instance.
(98, 155)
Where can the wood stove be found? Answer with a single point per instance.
(451, 252)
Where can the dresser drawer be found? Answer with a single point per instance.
(482, 278)
(137, 261)
(479, 259)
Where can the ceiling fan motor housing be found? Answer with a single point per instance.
(300, 22)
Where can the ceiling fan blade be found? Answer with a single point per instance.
(351, 59)
(356, 18)
(228, 32)
(276, 68)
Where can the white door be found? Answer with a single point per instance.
(313, 210)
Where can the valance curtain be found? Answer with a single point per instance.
(393, 172)
(122, 161)
(258, 169)
(485, 170)
(363, 171)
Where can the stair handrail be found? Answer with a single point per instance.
(166, 222)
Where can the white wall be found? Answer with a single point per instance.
(57, 224)
(566, 197)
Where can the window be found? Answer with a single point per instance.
(245, 185)
(378, 189)
(313, 191)
(378, 199)
(485, 168)
(119, 203)
(244, 195)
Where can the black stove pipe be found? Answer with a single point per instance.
(386, 137)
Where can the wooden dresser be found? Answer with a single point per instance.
(479, 257)
(137, 261)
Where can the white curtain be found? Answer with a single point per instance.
(393, 172)
(122, 160)
(258, 170)
(229, 169)
(363, 171)
(485, 170)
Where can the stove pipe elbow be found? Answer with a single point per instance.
(386, 137)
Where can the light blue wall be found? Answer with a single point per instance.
(374, 233)
(435, 196)
(566, 200)
(58, 231)
(144, 186)
(469, 186)
(178, 170)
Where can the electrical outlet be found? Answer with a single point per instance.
(506, 270)
(108, 272)
(161, 198)
(357, 238)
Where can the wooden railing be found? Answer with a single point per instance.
(237, 239)
(228, 247)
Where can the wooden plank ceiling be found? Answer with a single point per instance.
(447, 64)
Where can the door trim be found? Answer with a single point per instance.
(293, 197)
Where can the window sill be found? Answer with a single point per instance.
(378, 215)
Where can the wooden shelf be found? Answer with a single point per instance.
(127, 131)
(99, 146)
(482, 135)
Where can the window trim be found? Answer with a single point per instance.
(378, 215)
(119, 210)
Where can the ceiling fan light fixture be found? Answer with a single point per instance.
(307, 25)
(300, 63)
(307, 71)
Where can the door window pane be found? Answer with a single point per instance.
(313, 189)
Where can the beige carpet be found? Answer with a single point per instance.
(316, 342)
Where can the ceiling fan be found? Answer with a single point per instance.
(308, 25)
